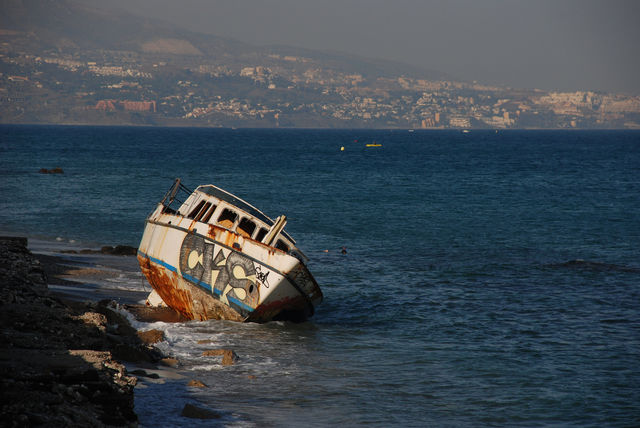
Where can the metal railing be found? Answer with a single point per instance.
(177, 193)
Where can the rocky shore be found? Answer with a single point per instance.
(61, 360)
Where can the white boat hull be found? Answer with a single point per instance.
(208, 272)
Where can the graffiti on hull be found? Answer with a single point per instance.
(228, 273)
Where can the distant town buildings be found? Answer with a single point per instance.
(277, 90)
(113, 105)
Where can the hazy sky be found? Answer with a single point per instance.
(546, 44)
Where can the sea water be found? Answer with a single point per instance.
(490, 278)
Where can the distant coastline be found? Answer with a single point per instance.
(301, 128)
(53, 72)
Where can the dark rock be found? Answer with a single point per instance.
(124, 250)
(118, 323)
(19, 266)
(17, 240)
(94, 319)
(56, 170)
(151, 336)
(133, 352)
(228, 356)
(195, 412)
(142, 373)
(169, 362)
(212, 352)
(151, 314)
(196, 383)
(119, 250)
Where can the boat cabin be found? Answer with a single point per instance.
(212, 205)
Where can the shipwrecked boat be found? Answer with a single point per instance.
(214, 256)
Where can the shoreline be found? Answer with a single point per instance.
(305, 128)
(70, 286)
(62, 354)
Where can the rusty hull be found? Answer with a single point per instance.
(191, 302)
(196, 303)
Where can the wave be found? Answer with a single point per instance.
(587, 265)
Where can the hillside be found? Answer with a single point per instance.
(65, 62)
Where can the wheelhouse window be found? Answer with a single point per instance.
(168, 210)
(227, 218)
(209, 213)
(261, 234)
(280, 245)
(194, 212)
(202, 212)
(246, 227)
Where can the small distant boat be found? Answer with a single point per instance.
(215, 256)
(374, 144)
(465, 131)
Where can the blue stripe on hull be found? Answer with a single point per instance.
(203, 285)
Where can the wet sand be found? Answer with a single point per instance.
(70, 280)
(74, 277)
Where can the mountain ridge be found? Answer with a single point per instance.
(69, 24)
(65, 62)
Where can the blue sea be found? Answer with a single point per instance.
(491, 278)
